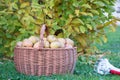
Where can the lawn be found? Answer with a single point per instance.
(113, 43)
(83, 70)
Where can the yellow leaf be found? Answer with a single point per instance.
(25, 4)
(77, 12)
(82, 29)
(76, 29)
(89, 26)
(37, 30)
(81, 40)
(45, 11)
(83, 13)
(112, 29)
(104, 38)
(21, 1)
(50, 15)
(70, 16)
(86, 6)
(70, 29)
(68, 21)
(77, 21)
(60, 35)
(49, 22)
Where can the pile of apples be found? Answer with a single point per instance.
(50, 41)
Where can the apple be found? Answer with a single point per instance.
(36, 45)
(62, 41)
(68, 46)
(55, 44)
(33, 39)
(45, 39)
(46, 44)
(69, 41)
(19, 44)
(51, 38)
(27, 43)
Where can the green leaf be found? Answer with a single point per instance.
(106, 1)
(52, 31)
(55, 26)
(51, 4)
(75, 4)
(19, 12)
(89, 26)
(8, 35)
(95, 12)
(22, 30)
(90, 14)
(15, 6)
(99, 3)
(82, 29)
(0, 41)
(77, 21)
(97, 40)
(86, 6)
(49, 22)
(66, 33)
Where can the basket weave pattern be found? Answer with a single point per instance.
(44, 61)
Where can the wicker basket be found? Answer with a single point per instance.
(44, 61)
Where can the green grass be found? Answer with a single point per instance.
(83, 70)
(113, 43)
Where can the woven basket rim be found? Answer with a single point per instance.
(45, 48)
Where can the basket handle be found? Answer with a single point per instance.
(42, 31)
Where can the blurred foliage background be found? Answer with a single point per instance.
(84, 21)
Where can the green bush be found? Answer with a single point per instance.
(82, 20)
(16, 23)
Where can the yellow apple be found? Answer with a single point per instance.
(33, 39)
(46, 44)
(19, 44)
(69, 41)
(51, 38)
(27, 43)
(55, 44)
(36, 45)
(62, 41)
